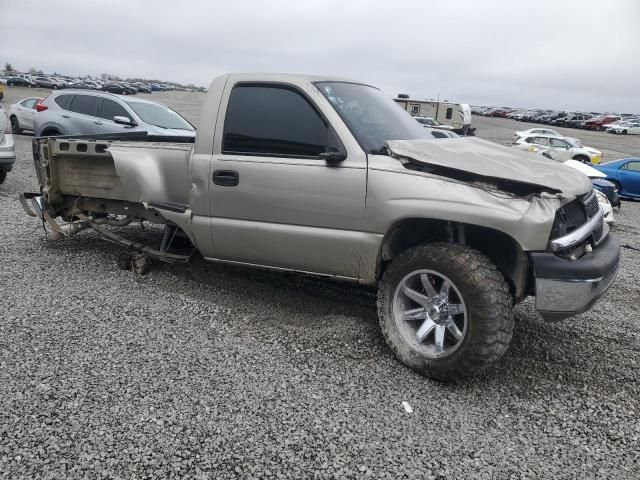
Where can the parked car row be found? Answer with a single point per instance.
(80, 112)
(588, 121)
(613, 180)
(54, 82)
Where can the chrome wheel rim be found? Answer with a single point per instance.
(430, 313)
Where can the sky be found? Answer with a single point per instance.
(564, 54)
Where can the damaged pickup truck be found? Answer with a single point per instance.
(329, 177)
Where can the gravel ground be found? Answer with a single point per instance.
(205, 371)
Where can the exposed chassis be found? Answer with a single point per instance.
(32, 205)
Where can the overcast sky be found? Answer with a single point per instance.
(573, 54)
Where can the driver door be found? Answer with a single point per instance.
(630, 176)
(275, 201)
(560, 149)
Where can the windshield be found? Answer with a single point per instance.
(160, 116)
(574, 142)
(372, 117)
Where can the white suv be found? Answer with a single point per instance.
(560, 148)
(631, 128)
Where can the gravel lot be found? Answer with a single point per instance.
(205, 371)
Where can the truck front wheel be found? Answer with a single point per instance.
(445, 310)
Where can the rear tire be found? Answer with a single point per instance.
(3, 176)
(624, 132)
(15, 125)
(456, 345)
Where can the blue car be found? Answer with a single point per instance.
(625, 174)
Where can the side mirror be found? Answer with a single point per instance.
(124, 121)
(334, 150)
(333, 155)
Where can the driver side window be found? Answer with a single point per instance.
(556, 143)
(30, 103)
(633, 166)
(274, 121)
(109, 109)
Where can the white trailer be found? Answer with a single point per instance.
(458, 115)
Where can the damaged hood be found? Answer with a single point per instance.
(487, 162)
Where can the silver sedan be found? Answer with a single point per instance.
(7, 147)
(22, 113)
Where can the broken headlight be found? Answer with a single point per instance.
(568, 218)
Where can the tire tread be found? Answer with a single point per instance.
(492, 306)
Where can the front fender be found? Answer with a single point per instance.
(396, 195)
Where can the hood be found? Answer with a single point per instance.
(586, 169)
(473, 159)
(601, 182)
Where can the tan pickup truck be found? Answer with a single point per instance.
(330, 177)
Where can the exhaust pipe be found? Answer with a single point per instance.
(68, 229)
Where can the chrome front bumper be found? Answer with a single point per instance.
(565, 288)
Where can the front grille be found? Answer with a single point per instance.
(597, 233)
(591, 205)
(591, 208)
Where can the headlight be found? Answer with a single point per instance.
(602, 198)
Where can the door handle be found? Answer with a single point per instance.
(98, 123)
(226, 178)
(66, 116)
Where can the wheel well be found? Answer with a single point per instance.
(50, 131)
(501, 249)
